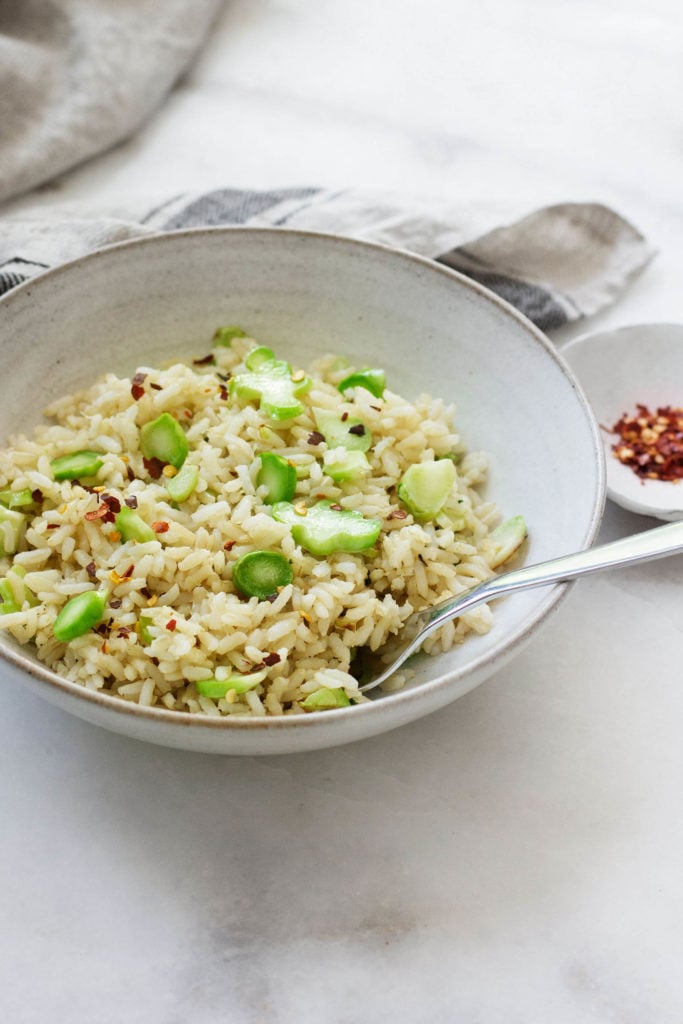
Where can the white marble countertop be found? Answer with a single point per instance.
(515, 858)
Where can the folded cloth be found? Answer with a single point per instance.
(77, 76)
(555, 264)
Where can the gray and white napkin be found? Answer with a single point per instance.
(555, 264)
(78, 76)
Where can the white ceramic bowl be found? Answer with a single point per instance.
(618, 369)
(306, 294)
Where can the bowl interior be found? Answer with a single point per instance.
(619, 369)
(151, 301)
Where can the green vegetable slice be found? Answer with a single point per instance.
(278, 476)
(224, 336)
(16, 499)
(326, 698)
(164, 439)
(322, 530)
(501, 543)
(76, 465)
(14, 591)
(79, 615)
(218, 688)
(12, 529)
(144, 622)
(9, 602)
(348, 465)
(373, 381)
(269, 381)
(349, 433)
(426, 486)
(132, 527)
(261, 573)
(258, 357)
(182, 485)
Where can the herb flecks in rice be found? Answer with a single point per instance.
(174, 617)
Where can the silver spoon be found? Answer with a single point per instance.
(642, 547)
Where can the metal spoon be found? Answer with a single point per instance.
(642, 547)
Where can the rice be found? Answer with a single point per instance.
(197, 626)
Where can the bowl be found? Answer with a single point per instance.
(618, 369)
(305, 294)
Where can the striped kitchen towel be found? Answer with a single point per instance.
(555, 264)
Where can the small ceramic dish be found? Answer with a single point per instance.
(160, 298)
(620, 369)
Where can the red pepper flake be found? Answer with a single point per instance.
(171, 625)
(124, 632)
(131, 502)
(651, 443)
(397, 513)
(344, 417)
(315, 437)
(137, 391)
(91, 570)
(336, 508)
(130, 474)
(154, 467)
(156, 387)
(37, 495)
(229, 545)
(160, 527)
(113, 503)
(205, 360)
(53, 526)
(97, 513)
(358, 429)
(224, 394)
(104, 648)
(116, 579)
(272, 659)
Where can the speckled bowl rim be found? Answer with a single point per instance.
(500, 653)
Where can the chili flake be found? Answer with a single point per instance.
(651, 443)
(160, 527)
(154, 467)
(136, 388)
(171, 625)
(97, 513)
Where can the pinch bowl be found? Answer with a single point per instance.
(304, 294)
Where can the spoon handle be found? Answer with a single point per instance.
(641, 547)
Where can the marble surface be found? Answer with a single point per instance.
(513, 859)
